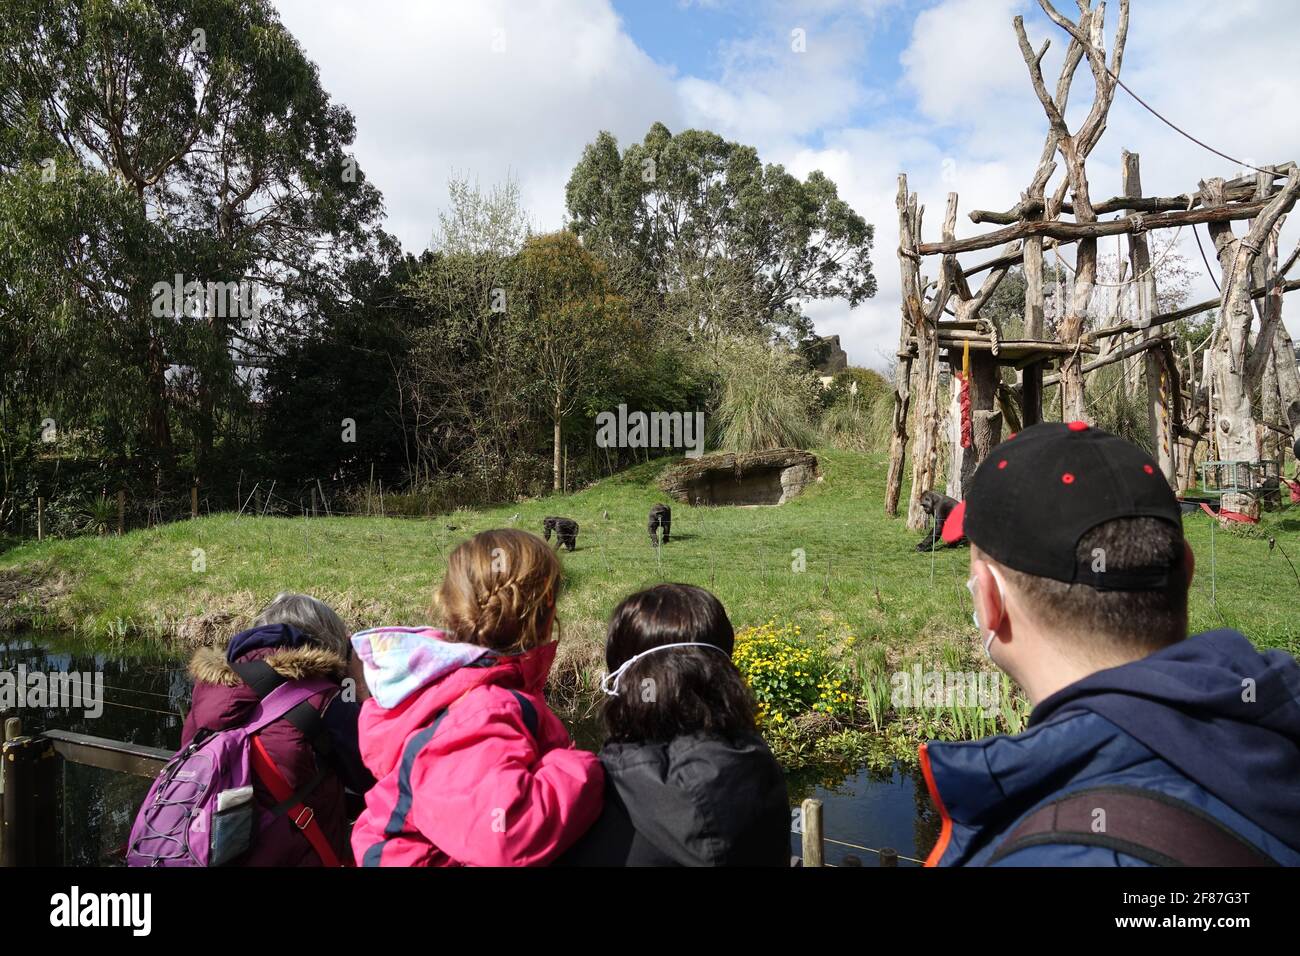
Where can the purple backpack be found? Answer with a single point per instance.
(200, 810)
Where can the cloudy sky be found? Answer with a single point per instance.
(516, 88)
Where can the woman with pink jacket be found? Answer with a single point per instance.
(473, 768)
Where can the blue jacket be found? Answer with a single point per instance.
(1174, 722)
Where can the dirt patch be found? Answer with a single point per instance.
(26, 593)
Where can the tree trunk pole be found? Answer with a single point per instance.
(909, 269)
(1157, 375)
(556, 465)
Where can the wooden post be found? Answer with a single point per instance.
(1153, 361)
(313, 502)
(29, 801)
(814, 845)
(194, 501)
(121, 512)
(40, 518)
(888, 856)
(925, 444)
(908, 226)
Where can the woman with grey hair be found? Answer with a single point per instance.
(312, 751)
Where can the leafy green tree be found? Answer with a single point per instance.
(466, 384)
(697, 229)
(574, 327)
(213, 124)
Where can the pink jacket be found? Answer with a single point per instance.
(472, 766)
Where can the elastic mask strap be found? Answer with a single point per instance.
(609, 683)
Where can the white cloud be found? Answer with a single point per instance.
(490, 88)
(962, 53)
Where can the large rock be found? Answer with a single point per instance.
(828, 358)
(747, 478)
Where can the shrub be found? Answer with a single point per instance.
(788, 676)
(766, 400)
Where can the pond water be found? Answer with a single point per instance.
(145, 697)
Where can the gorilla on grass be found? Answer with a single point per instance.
(938, 507)
(661, 516)
(566, 532)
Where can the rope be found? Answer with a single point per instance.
(1149, 270)
(1172, 125)
(857, 846)
(1205, 259)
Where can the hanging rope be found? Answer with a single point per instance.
(1172, 125)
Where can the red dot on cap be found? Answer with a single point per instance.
(1002, 463)
(1067, 478)
(1078, 426)
(1148, 469)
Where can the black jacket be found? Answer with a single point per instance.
(696, 801)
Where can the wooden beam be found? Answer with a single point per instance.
(1056, 229)
(1184, 313)
(1238, 190)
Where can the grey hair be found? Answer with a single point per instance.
(314, 618)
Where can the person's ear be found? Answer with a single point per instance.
(1189, 562)
(989, 598)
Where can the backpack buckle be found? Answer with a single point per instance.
(302, 820)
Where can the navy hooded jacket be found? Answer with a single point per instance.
(1210, 720)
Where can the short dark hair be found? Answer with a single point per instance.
(1145, 620)
(680, 691)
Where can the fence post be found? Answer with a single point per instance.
(194, 501)
(40, 518)
(313, 502)
(121, 512)
(814, 847)
(27, 767)
(888, 856)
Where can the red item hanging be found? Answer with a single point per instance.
(967, 436)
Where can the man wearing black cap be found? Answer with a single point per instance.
(1144, 746)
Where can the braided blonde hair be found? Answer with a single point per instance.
(499, 591)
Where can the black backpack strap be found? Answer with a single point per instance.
(1153, 827)
(263, 679)
(530, 712)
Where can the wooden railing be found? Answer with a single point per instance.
(29, 785)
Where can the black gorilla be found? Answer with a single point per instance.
(661, 516)
(566, 532)
(938, 507)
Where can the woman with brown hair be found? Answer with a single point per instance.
(472, 766)
(689, 780)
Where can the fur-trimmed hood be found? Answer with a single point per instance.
(209, 664)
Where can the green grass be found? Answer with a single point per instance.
(861, 577)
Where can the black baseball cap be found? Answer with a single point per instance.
(1044, 488)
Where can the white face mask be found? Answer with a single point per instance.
(974, 615)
